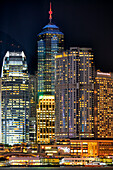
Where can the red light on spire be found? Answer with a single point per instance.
(50, 13)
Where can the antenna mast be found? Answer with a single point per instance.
(50, 13)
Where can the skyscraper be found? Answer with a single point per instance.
(74, 88)
(104, 105)
(50, 42)
(32, 113)
(15, 99)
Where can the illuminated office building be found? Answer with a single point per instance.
(15, 99)
(32, 113)
(74, 88)
(50, 42)
(104, 105)
(46, 119)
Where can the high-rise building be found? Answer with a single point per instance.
(32, 113)
(104, 105)
(46, 119)
(74, 88)
(15, 99)
(50, 42)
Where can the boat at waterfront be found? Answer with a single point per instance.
(24, 161)
(76, 161)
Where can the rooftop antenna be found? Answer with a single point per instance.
(50, 13)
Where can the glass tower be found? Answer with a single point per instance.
(15, 99)
(50, 42)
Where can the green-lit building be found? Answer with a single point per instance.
(15, 99)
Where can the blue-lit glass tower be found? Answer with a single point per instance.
(50, 41)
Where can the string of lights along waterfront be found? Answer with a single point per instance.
(62, 115)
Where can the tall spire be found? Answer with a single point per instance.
(50, 13)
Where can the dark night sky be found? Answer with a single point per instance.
(85, 23)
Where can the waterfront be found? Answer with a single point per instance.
(56, 168)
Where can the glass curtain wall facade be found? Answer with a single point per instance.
(50, 42)
(74, 90)
(15, 99)
(104, 105)
(32, 114)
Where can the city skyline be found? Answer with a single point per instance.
(50, 43)
(63, 114)
(84, 24)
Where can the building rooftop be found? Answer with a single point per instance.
(50, 25)
(50, 28)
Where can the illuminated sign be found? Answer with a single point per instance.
(46, 97)
(103, 74)
(65, 149)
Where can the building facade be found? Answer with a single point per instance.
(46, 119)
(15, 99)
(104, 105)
(50, 42)
(32, 113)
(78, 149)
(74, 88)
(0, 110)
